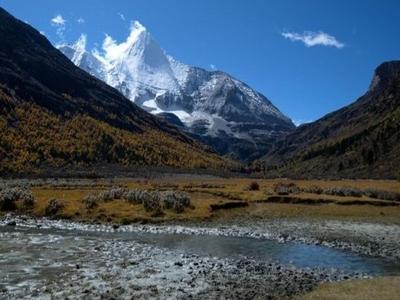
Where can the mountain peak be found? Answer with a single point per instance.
(80, 44)
(138, 46)
(136, 25)
(384, 74)
(82, 120)
(80, 49)
(139, 35)
(211, 104)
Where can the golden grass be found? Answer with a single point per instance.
(113, 211)
(205, 191)
(384, 288)
(329, 211)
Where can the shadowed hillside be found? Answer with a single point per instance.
(54, 114)
(359, 140)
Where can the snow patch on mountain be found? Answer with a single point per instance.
(208, 103)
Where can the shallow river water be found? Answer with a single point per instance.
(31, 254)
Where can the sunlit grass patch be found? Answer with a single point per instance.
(384, 288)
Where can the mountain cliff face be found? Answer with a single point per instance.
(54, 114)
(359, 140)
(212, 106)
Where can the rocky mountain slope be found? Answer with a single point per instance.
(359, 140)
(212, 106)
(53, 114)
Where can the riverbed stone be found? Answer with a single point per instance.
(104, 267)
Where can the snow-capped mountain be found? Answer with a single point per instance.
(213, 106)
(85, 60)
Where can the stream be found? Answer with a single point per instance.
(32, 257)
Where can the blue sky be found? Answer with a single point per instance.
(308, 57)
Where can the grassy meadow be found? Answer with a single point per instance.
(218, 198)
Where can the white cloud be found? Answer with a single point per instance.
(42, 33)
(310, 39)
(113, 50)
(121, 15)
(212, 67)
(80, 20)
(58, 20)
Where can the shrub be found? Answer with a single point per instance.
(136, 196)
(90, 201)
(178, 207)
(343, 191)
(9, 197)
(334, 191)
(153, 201)
(314, 189)
(53, 207)
(282, 188)
(254, 186)
(381, 194)
(153, 204)
(175, 200)
(117, 192)
(112, 194)
(372, 193)
(211, 186)
(204, 186)
(353, 192)
(7, 200)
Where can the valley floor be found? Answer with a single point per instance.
(231, 207)
(212, 196)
